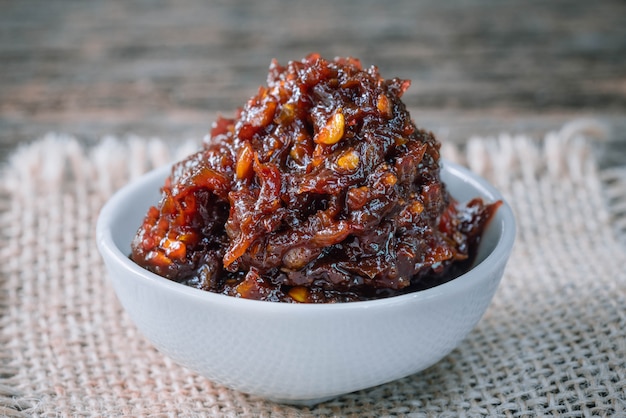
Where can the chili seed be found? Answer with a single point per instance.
(349, 160)
(333, 131)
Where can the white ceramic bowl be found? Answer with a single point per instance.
(301, 353)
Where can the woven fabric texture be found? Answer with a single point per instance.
(553, 342)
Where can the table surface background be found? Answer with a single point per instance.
(166, 68)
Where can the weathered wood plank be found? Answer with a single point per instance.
(165, 68)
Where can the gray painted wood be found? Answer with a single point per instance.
(166, 68)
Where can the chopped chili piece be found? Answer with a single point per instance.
(321, 189)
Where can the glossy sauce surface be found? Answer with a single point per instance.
(321, 189)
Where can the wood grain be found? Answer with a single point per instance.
(166, 68)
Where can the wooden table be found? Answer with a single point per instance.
(166, 68)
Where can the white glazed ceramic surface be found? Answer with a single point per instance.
(296, 352)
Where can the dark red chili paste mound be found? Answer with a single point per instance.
(321, 189)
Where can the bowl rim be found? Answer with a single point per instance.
(109, 250)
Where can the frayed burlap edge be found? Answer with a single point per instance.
(57, 164)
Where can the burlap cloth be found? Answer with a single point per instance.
(552, 343)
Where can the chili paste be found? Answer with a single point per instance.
(320, 189)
